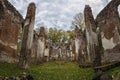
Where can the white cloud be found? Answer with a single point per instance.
(58, 13)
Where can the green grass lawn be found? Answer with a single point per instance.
(61, 71)
(52, 71)
(49, 71)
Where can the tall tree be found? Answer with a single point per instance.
(78, 20)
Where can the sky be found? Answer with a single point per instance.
(58, 13)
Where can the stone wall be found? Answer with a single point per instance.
(93, 46)
(10, 23)
(107, 26)
(108, 21)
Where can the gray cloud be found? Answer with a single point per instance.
(60, 13)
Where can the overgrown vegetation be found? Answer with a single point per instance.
(53, 71)
(10, 69)
(50, 71)
(114, 72)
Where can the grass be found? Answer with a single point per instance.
(7, 69)
(53, 71)
(114, 72)
(61, 71)
(49, 71)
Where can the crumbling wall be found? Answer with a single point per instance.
(93, 47)
(10, 23)
(108, 21)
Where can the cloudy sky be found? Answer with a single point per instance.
(58, 13)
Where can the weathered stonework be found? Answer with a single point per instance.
(42, 32)
(10, 22)
(41, 44)
(108, 21)
(27, 37)
(108, 24)
(80, 46)
(34, 46)
(92, 37)
(72, 48)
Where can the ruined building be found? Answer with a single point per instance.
(27, 37)
(10, 23)
(93, 49)
(105, 28)
(108, 21)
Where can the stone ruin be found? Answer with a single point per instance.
(103, 32)
(108, 21)
(106, 27)
(10, 24)
(27, 37)
(93, 47)
(41, 43)
(80, 46)
(34, 46)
